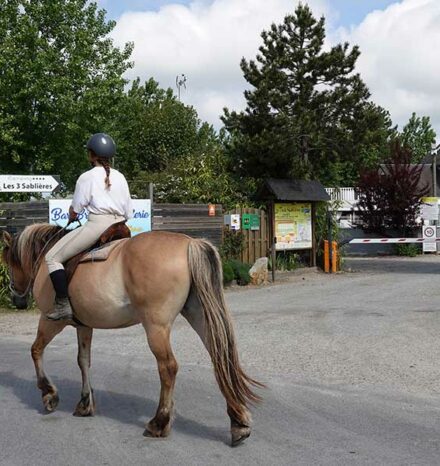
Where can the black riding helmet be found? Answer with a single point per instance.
(102, 145)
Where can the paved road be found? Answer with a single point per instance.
(351, 362)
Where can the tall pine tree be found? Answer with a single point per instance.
(308, 113)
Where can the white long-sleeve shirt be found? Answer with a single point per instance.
(91, 193)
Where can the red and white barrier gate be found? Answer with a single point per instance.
(394, 240)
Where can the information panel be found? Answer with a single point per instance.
(140, 223)
(293, 225)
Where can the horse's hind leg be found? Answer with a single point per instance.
(47, 330)
(159, 342)
(86, 405)
(241, 417)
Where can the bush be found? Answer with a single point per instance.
(4, 283)
(408, 250)
(233, 244)
(238, 271)
(286, 261)
(228, 273)
(241, 272)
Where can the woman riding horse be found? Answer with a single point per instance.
(104, 192)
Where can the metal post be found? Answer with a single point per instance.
(434, 174)
(274, 260)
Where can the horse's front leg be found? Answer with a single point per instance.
(86, 405)
(47, 330)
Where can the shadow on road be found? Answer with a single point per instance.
(122, 407)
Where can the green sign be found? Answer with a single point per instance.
(250, 222)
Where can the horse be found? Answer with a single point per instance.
(148, 279)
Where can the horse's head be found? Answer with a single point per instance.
(19, 279)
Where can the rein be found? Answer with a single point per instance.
(29, 287)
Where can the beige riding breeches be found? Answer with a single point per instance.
(79, 239)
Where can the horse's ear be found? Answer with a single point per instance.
(7, 239)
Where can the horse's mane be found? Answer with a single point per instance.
(32, 244)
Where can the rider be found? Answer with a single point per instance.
(104, 192)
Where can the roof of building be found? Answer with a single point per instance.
(426, 179)
(293, 190)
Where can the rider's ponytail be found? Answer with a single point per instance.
(106, 164)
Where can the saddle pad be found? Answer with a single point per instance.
(102, 253)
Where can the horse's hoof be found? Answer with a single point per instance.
(81, 411)
(152, 430)
(86, 407)
(239, 436)
(50, 402)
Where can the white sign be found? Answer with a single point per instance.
(429, 234)
(140, 223)
(27, 183)
(233, 221)
(429, 208)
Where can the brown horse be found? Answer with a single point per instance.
(148, 279)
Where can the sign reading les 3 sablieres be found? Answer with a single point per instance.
(28, 183)
(140, 223)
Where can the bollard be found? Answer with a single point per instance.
(335, 257)
(326, 257)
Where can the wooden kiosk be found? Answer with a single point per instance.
(292, 215)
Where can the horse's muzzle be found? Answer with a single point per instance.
(20, 302)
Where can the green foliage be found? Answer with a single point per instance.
(60, 81)
(326, 220)
(4, 283)
(409, 250)
(308, 113)
(287, 261)
(154, 129)
(228, 273)
(232, 245)
(418, 135)
(241, 272)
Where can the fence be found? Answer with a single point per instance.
(342, 194)
(15, 216)
(257, 242)
(191, 219)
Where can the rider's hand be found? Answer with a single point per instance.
(72, 215)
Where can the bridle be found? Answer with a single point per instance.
(12, 289)
(28, 290)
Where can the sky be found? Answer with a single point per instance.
(206, 39)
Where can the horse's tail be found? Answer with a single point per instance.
(207, 279)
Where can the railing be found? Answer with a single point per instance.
(342, 194)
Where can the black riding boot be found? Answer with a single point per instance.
(62, 309)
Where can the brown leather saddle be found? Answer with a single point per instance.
(115, 232)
